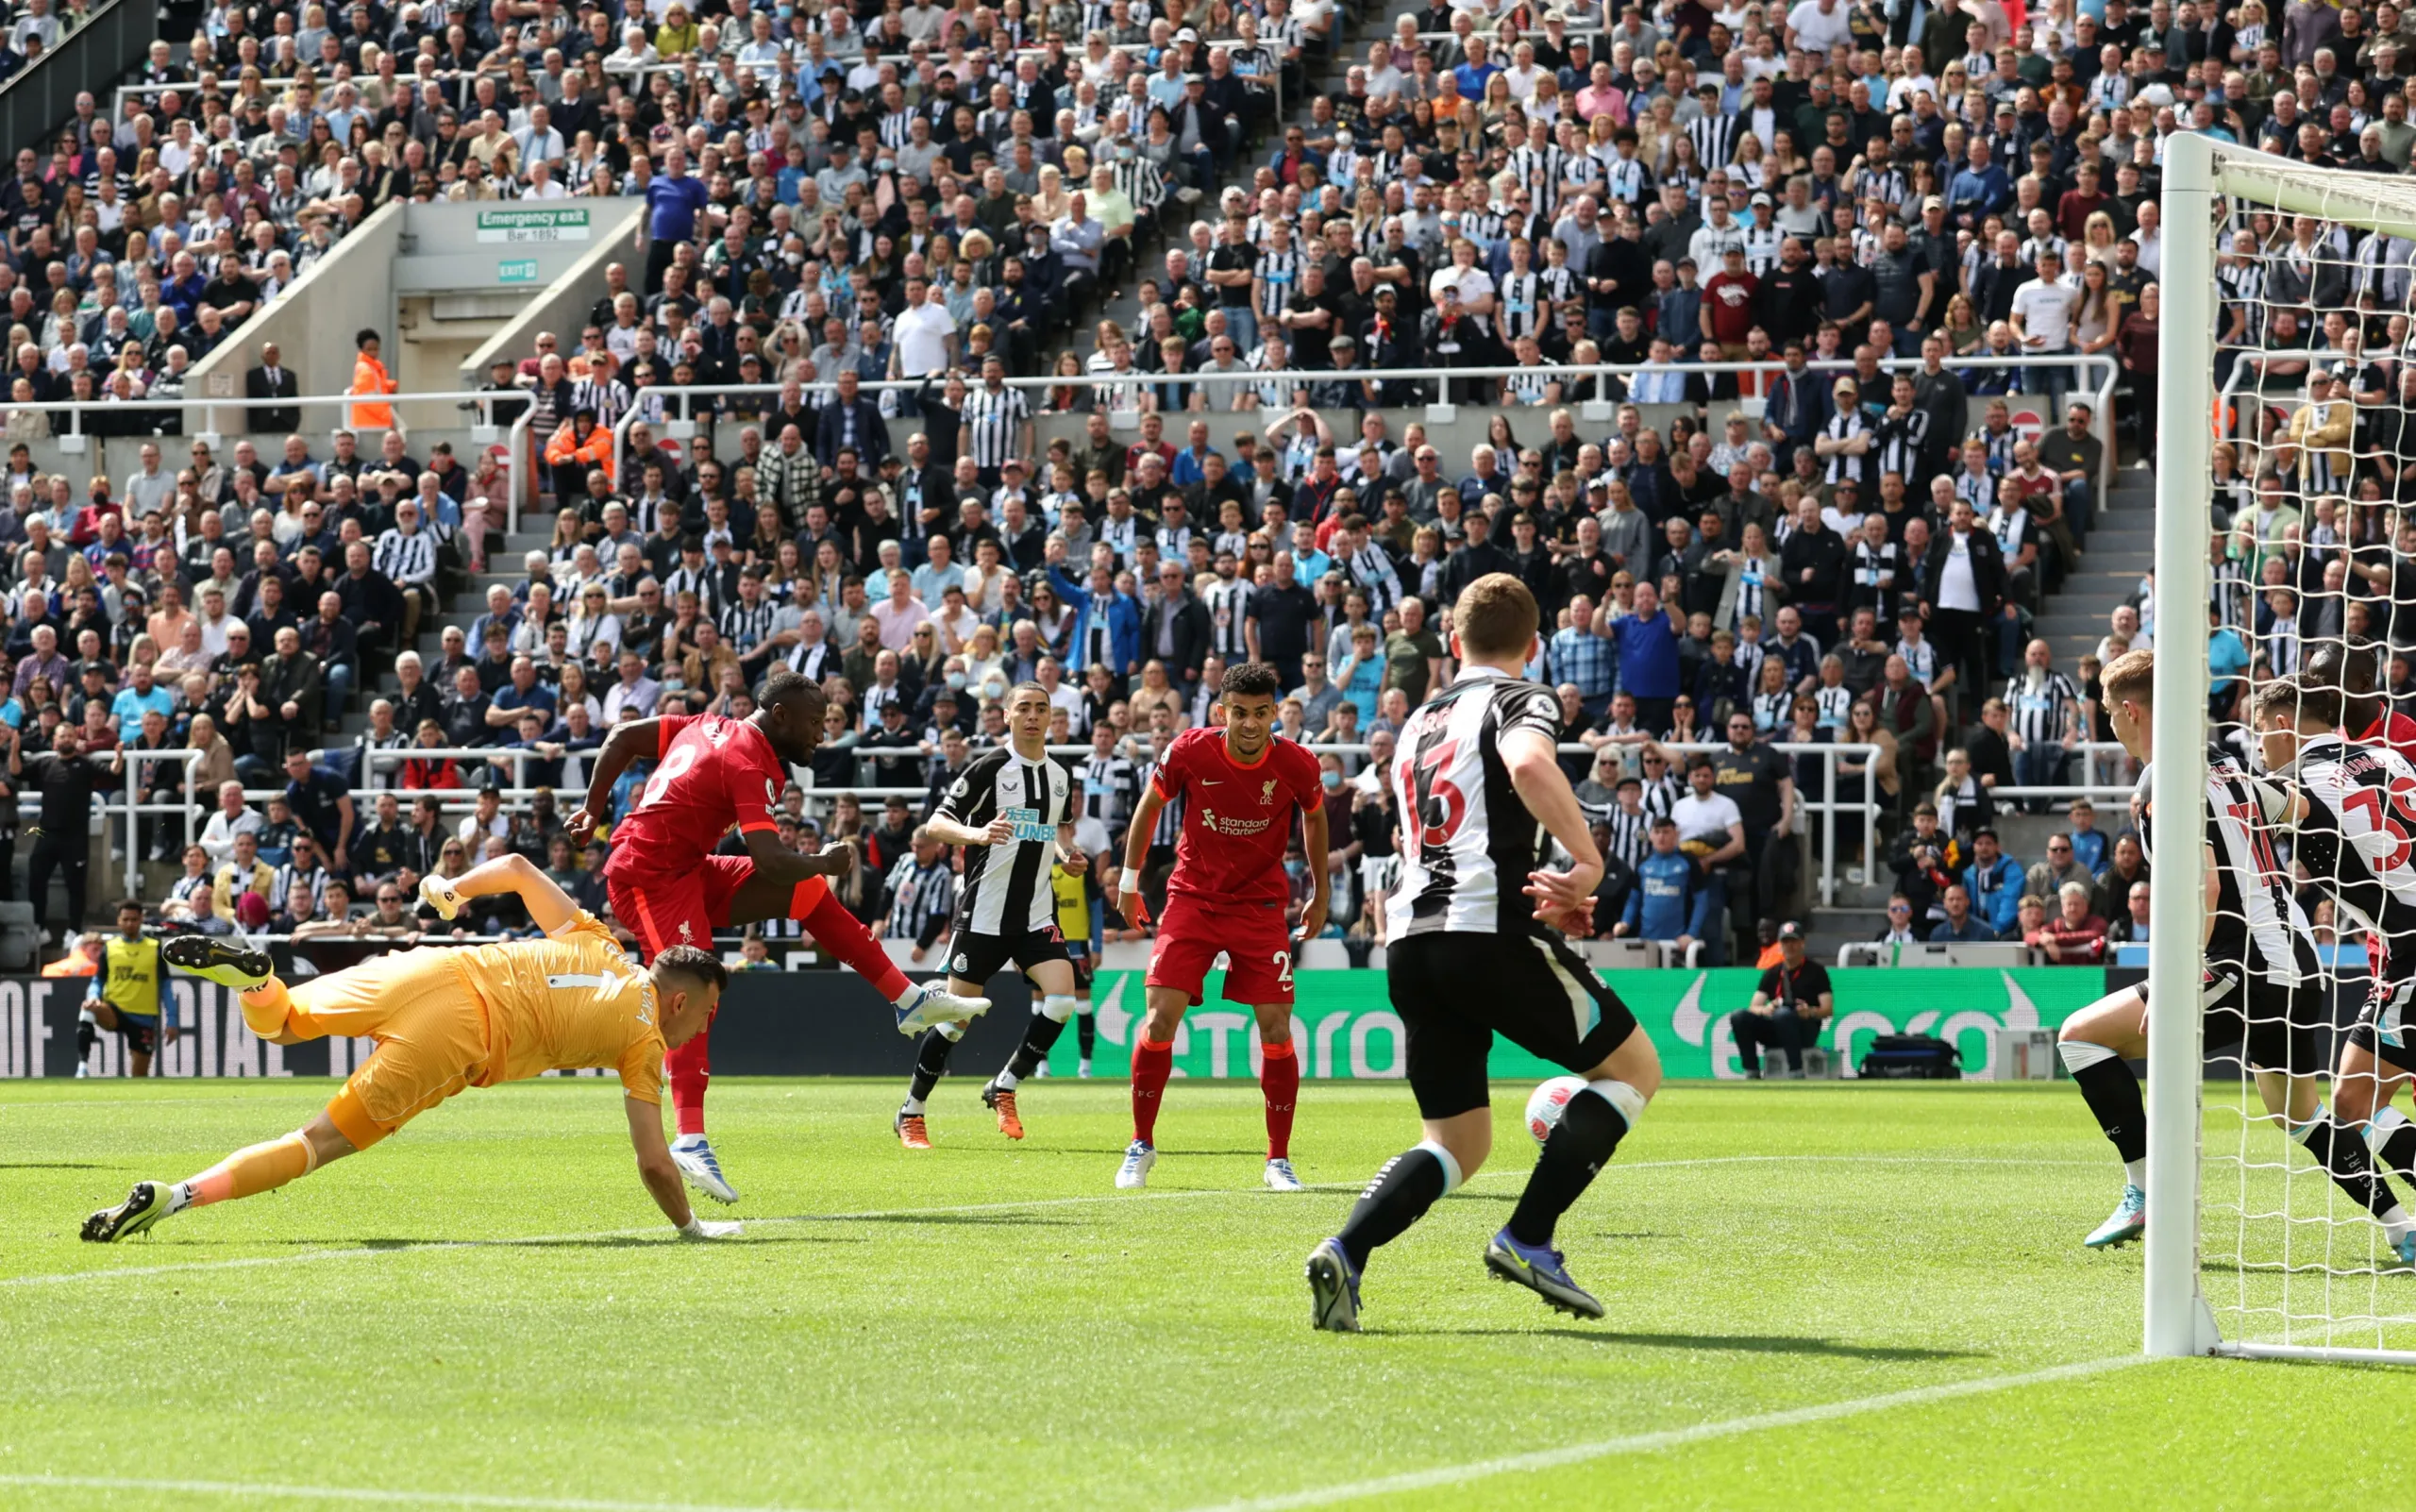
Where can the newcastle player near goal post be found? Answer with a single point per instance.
(1471, 953)
(2353, 806)
(2262, 989)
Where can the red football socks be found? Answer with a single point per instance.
(1279, 1078)
(687, 1066)
(843, 935)
(1153, 1062)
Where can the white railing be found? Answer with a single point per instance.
(1598, 410)
(2106, 775)
(1828, 809)
(1990, 953)
(185, 403)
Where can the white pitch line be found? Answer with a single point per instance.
(1323, 1496)
(350, 1493)
(1669, 1437)
(374, 1252)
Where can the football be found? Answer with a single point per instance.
(1546, 1102)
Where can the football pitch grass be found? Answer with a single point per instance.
(1819, 1295)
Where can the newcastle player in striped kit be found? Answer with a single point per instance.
(2263, 987)
(1472, 953)
(2353, 809)
(1004, 811)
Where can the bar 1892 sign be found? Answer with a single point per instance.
(523, 226)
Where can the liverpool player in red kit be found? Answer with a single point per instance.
(1239, 786)
(665, 885)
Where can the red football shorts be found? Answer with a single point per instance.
(1192, 933)
(664, 911)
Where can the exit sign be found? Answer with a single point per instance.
(523, 270)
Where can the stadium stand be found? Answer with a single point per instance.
(968, 344)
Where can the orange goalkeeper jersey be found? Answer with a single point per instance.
(572, 1000)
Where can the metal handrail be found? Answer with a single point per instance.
(2102, 418)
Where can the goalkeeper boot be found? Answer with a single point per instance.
(1002, 1101)
(1540, 1268)
(2406, 1249)
(698, 1162)
(143, 1206)
(1333, 1289)
(930, 1005)
(227, 964)
(1280, 1177)
(1134, 1173)
(2129, 1220)
(912, 1131)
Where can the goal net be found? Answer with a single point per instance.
(2284, 415)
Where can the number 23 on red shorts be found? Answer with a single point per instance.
(1191, 935)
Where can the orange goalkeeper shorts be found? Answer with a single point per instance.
(431, 1032)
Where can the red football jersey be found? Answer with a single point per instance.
(714, 773)
(1237, 819)
(2394, 730)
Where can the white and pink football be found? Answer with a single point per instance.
(1547, 1102)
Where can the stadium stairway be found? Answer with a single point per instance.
(2120, 550)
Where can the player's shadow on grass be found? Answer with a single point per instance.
(631, 1241)
(972, 1220)
(1256, 1151)
(2379, 1266)
(1719, 1343)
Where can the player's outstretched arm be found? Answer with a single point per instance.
(786, 868)
(662, 1177)
(550, 907)
(633, 740)
(1564, 899)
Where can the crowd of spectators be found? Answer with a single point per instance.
(860, 228)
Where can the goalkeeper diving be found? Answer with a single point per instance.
(449, 1018)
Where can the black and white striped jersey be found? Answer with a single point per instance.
(2257, 922)
(1630, 839)
(2355, 840)
(1467, 840)
(1762, 246)
(1715, 138)
(921, 898)
(1519, 299)
(2041, 708)
(1005, 889)
(996, 422)
(1228, 601)
(1169, 831)
(1111, 791)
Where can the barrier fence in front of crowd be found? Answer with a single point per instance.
(198, 415)
(1600, 408)
(129, 808)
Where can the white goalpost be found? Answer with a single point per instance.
(2274, 276)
